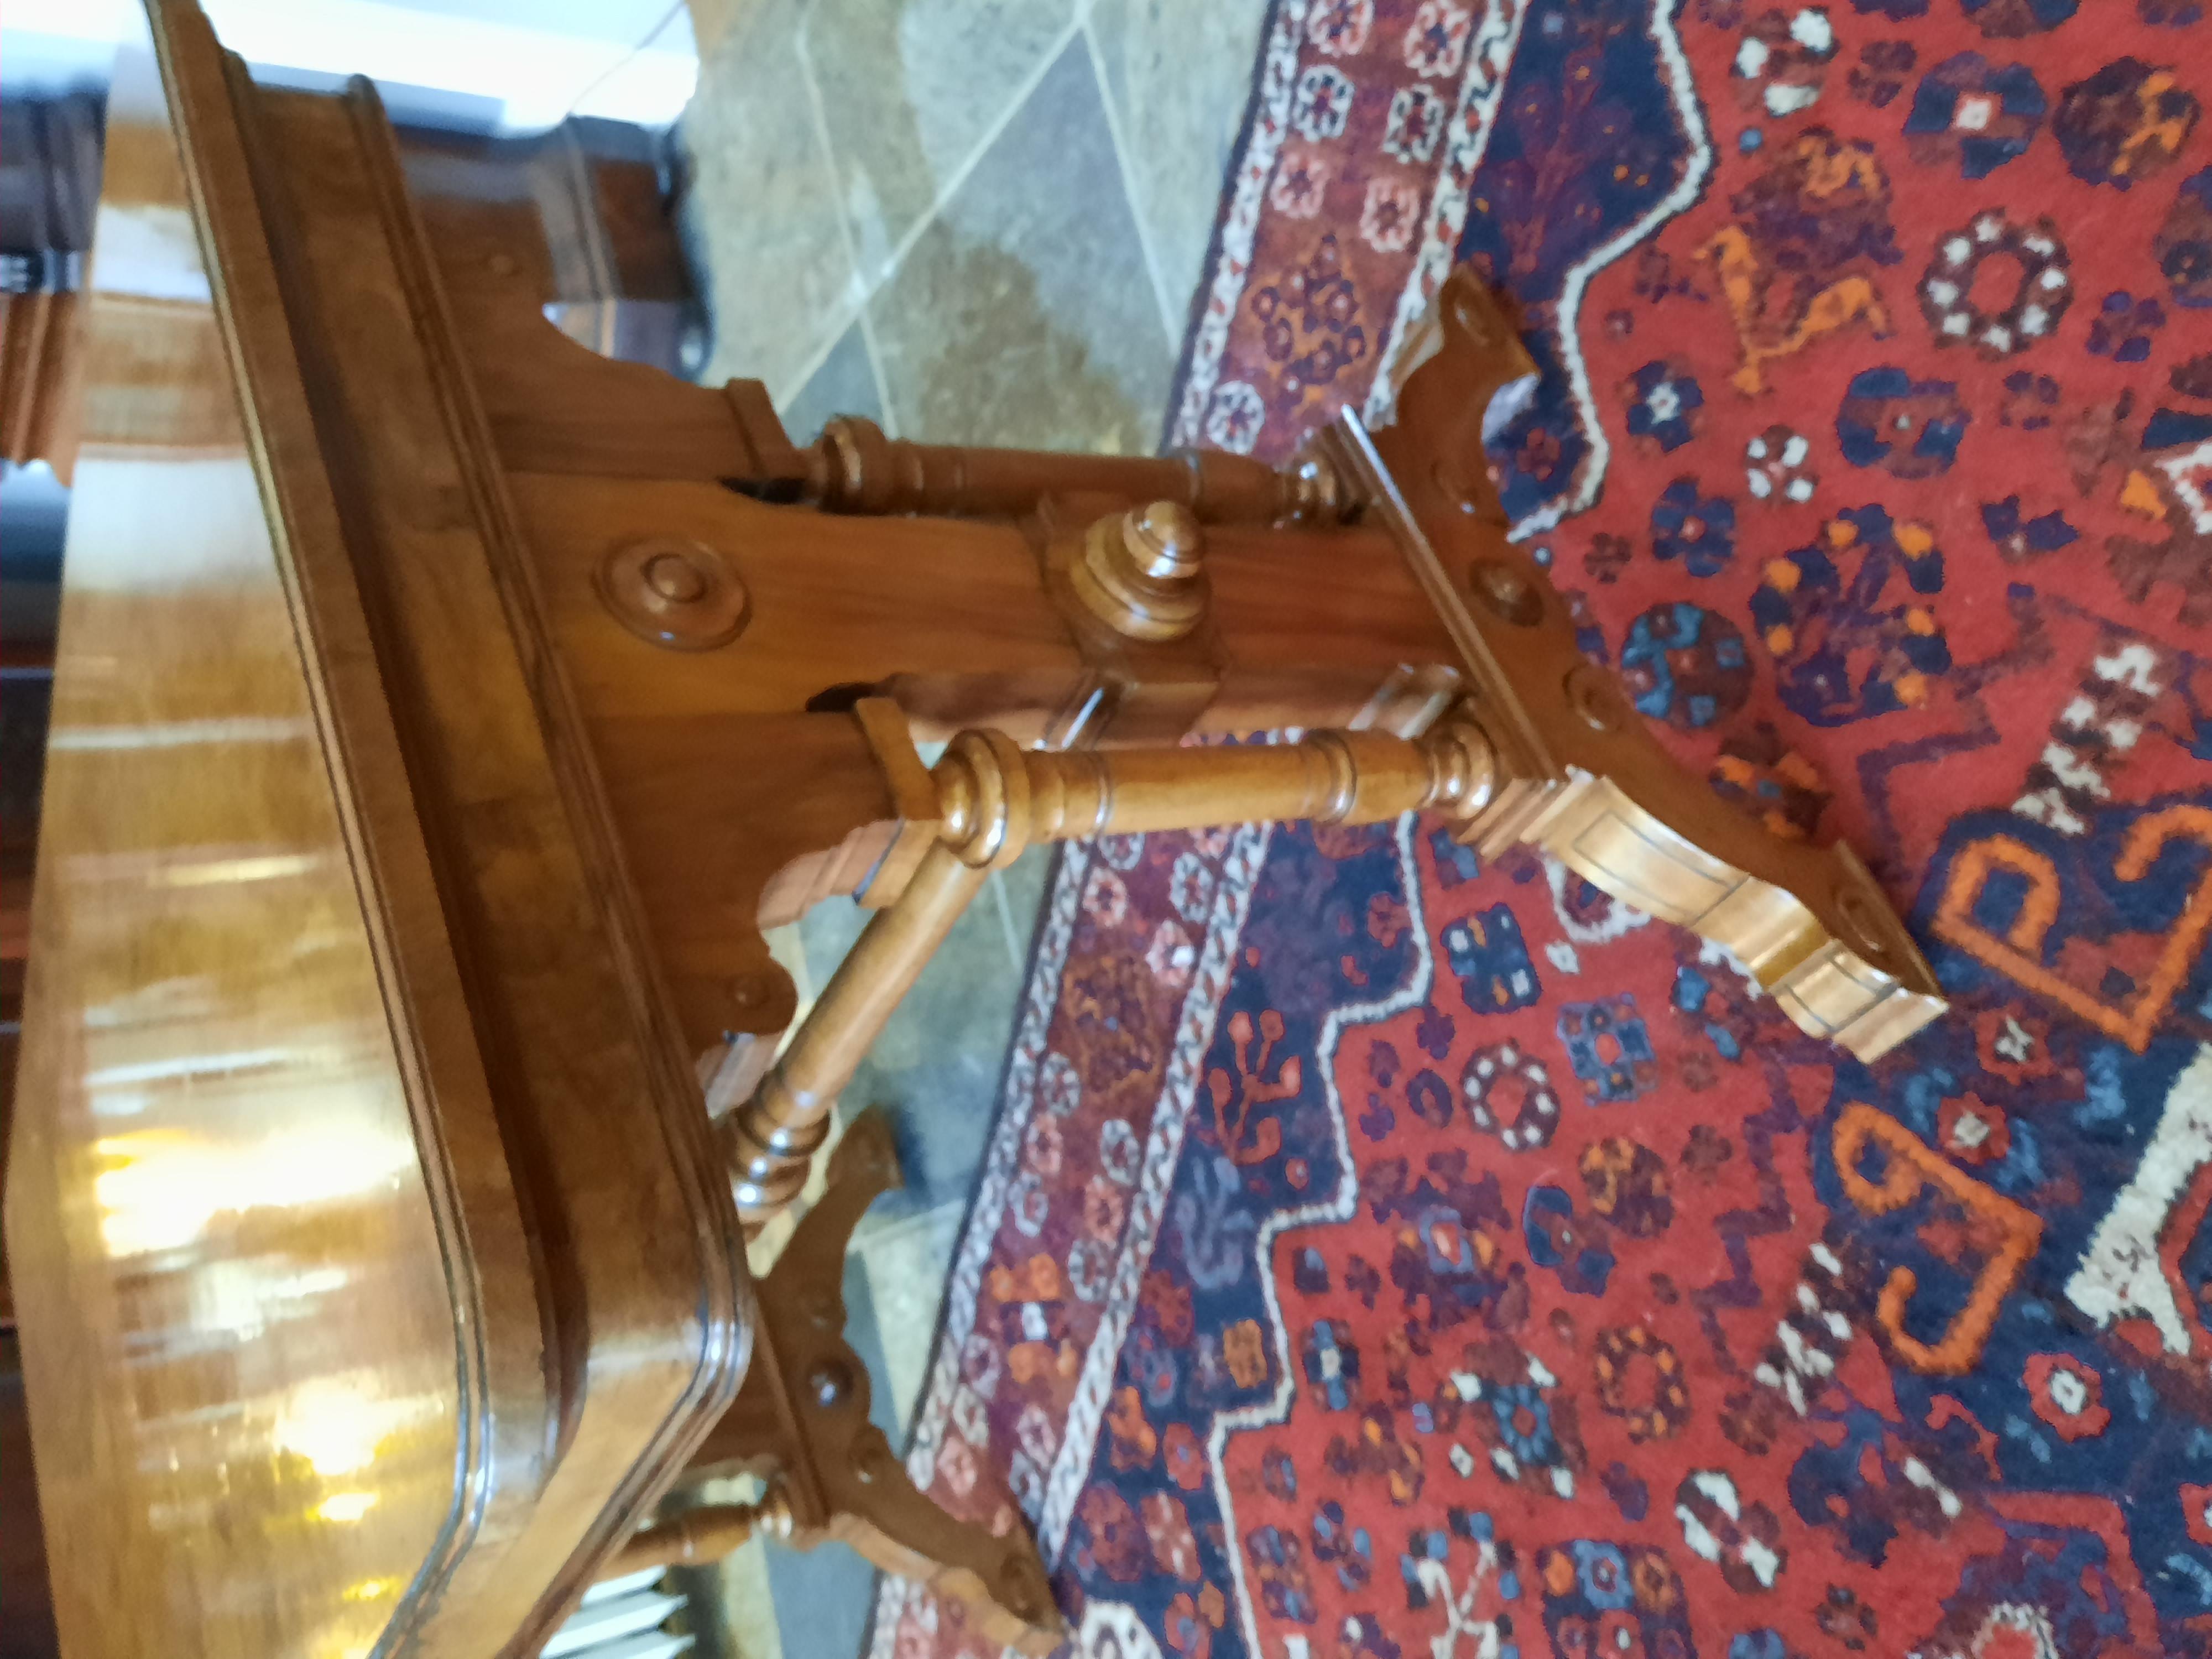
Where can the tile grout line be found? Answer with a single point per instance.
(1015, 101)
(1129, 189)
(1006, 909)
(875, 354)
(1004, 119)
(753, 1635)
(844, 320)
(805, 53)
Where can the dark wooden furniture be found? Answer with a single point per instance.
(49, 175)
(441, 712)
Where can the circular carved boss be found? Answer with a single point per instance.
(674, 591)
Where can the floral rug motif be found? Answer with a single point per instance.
(1381, 1254)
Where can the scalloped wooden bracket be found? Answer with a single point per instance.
(802, 1423)
(1585, 780)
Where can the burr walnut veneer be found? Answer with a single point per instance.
(441, 711)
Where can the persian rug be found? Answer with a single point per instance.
(1381, 1255)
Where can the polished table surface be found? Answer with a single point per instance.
(230, 1256)
(374, 1266)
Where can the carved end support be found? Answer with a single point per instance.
(1579, 773)
(855, 1487)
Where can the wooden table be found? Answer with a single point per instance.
(441, 711)
(374, 1265)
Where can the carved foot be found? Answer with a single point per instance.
(1584, 778)
(802, 1422)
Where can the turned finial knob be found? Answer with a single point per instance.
(1163, 541)
(675, 578)
(1140, 572)
(983, 797)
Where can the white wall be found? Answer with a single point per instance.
(517, 65)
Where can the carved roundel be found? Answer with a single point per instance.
(1508, 1095)
(674, 591)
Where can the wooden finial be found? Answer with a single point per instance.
(1140, 573)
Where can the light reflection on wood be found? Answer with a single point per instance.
(239, 1343)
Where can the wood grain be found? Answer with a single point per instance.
(361, 1135)
(636, 1242)
(229, 1251)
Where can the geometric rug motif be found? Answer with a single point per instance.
(1381, 1254)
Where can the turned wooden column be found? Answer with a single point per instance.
(773, 1135)
(854, 468)
(995, 798)
(699, 1537)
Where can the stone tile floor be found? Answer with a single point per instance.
(972, 221)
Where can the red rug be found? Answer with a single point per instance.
(1378, 1254)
